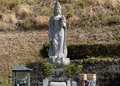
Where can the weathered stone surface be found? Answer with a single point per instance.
(57, 38)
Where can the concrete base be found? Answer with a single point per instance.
(45, 82)
(57, 84)
(74, 83)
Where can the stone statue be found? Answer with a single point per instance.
(57, 36)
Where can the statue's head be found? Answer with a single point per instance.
(57, 8)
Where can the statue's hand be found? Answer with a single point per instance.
(63, 18)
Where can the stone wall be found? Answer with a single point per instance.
(108, 73)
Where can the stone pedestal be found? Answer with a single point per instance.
(74, 83)
(40, 84)
(45, 82)
(57, 84)
(68, 82)
(58, 75)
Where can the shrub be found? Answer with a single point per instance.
(47, 69)
(9, 18)
(84, 50)
(23, 11)
(72, 70)
(41, 21)
(82, 3)
(3, 26)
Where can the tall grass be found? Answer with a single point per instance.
(9, 4)
(23, 11)
(9, 18)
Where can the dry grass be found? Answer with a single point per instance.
(9, 18)
(66, 1)
(3, 26)
(106, 3)
(74, 21)
(16, 47)
(42, 21)
(99, 2)
(112, 3)
(23, 11)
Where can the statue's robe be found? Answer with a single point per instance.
(57, 37)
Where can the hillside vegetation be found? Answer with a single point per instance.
(24, 27)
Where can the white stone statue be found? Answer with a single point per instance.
(57, 34)
(57, 37)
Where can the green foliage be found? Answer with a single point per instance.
(6, 82)
(13, 3)
(82, 3)
(47, 69)
(72, 70)
(70, 11)
(85, 50)
(115, 19)
(9, 4)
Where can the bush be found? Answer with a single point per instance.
(82, 51)
(23, 11)
(47, 69)
(72, 70)
(9, 18)
(85, 50)
(82, 4)
(3, 26)
(41, 22)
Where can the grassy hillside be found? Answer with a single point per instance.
(24, 27)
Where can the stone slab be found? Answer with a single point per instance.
(57, 84)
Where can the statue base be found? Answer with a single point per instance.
(59, 62)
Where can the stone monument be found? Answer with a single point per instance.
(58, 50)
(57, 38)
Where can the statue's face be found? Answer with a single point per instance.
(57, 11)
